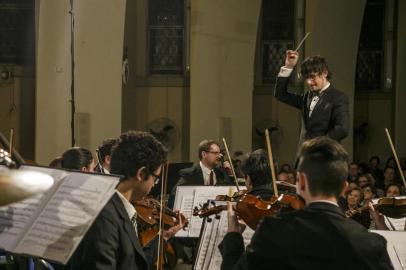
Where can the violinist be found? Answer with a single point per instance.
(112, 241)
(207, 171)
(104, 152)
(317, 237)
(381, 221)
(77, 158)
(257, 174)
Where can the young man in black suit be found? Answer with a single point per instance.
(112, 241)
(324, 108)
(316, 237)
(206, 172)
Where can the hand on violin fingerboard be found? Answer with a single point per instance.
(234, 224)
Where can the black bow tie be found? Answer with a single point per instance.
(315, 94)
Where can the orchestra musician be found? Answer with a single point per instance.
(257, 174)
(207, 171)
(317, 237)
(112, 241)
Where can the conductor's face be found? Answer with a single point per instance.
(317, 81)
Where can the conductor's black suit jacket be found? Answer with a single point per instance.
(111, 242)
(330, 116)
(317, 237)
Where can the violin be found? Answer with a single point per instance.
(393, 207)
(251, 209)
(148, 216)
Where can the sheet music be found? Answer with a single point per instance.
(200, 195)
(67, 216)
(396, 245)
(395, 224)
(16, 218)
(209, 256)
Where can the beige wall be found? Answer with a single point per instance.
(223, 36)
(99, 27)
(53, 81)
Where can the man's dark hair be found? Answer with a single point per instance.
(134, 150)
(76, 158)
(204, 146)
(325, 163)
(256, 165)
(105, 148)
(314, 64)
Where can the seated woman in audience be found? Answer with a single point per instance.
(368, 179)
(78, 158)
(354, 199)
(369, 193)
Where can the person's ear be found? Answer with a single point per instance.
(107, 159)
(141, 174)
(344, 189)
(324, 74)
(301, 183)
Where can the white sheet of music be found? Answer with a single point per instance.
(63, 222)
(198, 195)
(51, 225)
(17, 217)
(396, 245)
(395, 224)
(208, 255)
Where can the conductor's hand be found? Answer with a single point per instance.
(291, 59)
(234, 225)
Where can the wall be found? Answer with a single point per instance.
(223, 35)
(149, 98)
(17, 91)
(99, 27)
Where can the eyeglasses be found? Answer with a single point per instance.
(312, 76)
(156, 178)
(214, 153)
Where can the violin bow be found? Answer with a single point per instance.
(231, 164)
(270, 157)
(160, 262)
(98, 158)
(11, 142)
(396, 157)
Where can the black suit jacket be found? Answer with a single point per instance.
(317, 237)
(329, 117)
(193, 176)
(111, 242)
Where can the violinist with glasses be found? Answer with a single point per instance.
(112, 241)
(207, 171)
(316, 237)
